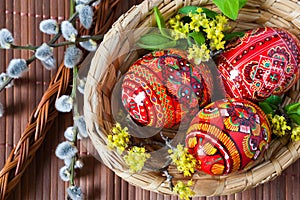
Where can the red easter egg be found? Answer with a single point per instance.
(264, 61)
(163, 88)
(227, 136)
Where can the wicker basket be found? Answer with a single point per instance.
(107, 65)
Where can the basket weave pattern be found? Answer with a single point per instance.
(107, 66)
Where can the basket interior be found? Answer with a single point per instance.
(118, 51)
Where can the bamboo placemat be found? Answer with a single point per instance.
(41, 181)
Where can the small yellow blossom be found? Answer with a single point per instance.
(183, 190)
(184, 161)
(296, 133)
(136, 158)
(199, 53)
(119, 139)
(279, 125)
(199, 10)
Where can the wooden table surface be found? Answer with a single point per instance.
(41, 180)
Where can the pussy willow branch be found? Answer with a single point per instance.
(73, 95)
(30, 60)
(52, 44)
(80, 39)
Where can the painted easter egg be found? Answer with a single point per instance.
(264, 61)
(227, 136)
(163, 89)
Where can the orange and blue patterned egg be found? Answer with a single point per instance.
(164, 89)
(228, 135)
(264, 61)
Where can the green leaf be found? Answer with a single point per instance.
(188, 9)
(230, 36)
(292, 108)
(266, 108)
(193, 9)
(198, 37)
(182, 44)
(242, 3)
(209, 13)
(154, 38)
(156, 41)
(295, 118)
(161, 24)
(230, 8)
(274, 99)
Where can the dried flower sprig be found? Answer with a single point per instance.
(183, 190)
(296, 133)
(135, 157)
(200, 31)
(279, 125)
(119, 138)
(284, 120)
(184, 161)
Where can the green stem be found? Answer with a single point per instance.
(72, 7)
(72, 169)
(75, 113)
(28, 47)
(73, 95)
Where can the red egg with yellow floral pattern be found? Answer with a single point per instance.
(263, 62)
(164, 89)
(228, 135)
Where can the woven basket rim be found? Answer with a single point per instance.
(104, 71)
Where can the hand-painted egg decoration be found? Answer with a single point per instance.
(264, 61)
(163, 88)
(227, 136)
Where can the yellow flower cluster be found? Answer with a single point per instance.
(183, 190)
(119, 139)
(136, 158)
(184, 161)
(213, 28)
(279, 125)
(199, 53)
(296, 133)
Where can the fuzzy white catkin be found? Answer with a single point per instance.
(68, 31)
(1, 110)
(89, 45)
(70, 133)
(64, 173)
(79, 121)
(3, 78)
(68, 161)
(64, 103)
(49, 63)
(83, 1)
(96, 3)
(85, 13)
(81, 85)
(49, 26)
(79, 164)
(6, 38)
(74, 192)
(65, 150)
(72, 57)
(44, 52)
(16, 68)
